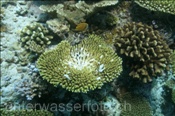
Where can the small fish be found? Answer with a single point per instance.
(81, 27)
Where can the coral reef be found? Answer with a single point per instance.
(31, 87)
(157, 91)
(82, 67)
(102, 19)
(170, 83)
(76, 13)
(35, 37)
(110, 106)
(173, 62)
(58, 26)
(173, 95)
(167, 6)
(90, 8)
(25, 57)
(25, 113)
(135, 105)
(147, 52)
(3, 28)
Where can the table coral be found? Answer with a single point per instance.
(35, 37)
(147, 52)
(167, 6)
(82, 67)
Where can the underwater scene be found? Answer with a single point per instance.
(87, 58)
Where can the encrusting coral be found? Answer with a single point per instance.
(147, 53)
(25, 113)
(167, 6)
(35, 37)
(82, 67)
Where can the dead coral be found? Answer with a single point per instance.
(147, 53)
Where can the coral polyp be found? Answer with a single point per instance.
(82, 67)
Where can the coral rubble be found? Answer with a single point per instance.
(144, 47)
(35, 37)
(82, 67)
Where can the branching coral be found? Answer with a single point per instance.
(167, 6)
(35, 37)
(147, 52)
(25, 113)
(82, 67)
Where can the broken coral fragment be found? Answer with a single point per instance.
(82, 67)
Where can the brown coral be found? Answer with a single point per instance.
(147, 53)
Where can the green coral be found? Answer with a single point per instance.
(35, 37)
(146, 52)
(167, 6)
(173, 62)
(135, 105)
(82, 67)
(25, 113)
